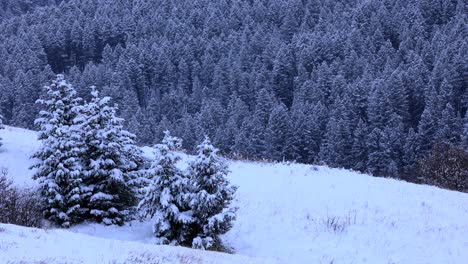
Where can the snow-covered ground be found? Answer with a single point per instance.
(18, 146)
(288, 213)
(31, 245)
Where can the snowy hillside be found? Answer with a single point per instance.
(288, 213)
(18, 146)
(30, 245)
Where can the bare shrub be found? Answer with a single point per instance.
(339, 224)
(19, 206)
(445, 166)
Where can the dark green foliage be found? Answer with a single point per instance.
(167, 197)
(277, 133)
(210, 198)
(88, 166)
(111, 162)
(222, 73)
(58, 168)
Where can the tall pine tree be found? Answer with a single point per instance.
(112, 162)
(57, 165)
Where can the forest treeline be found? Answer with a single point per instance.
(361, 84)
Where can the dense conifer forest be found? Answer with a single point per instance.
(362, 84)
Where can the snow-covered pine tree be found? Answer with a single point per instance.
(211, 198)
(166, 197)
(112, 162)
(173, 143)
(58, 167)
(277, 133)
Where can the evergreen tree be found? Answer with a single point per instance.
(317, 123)
(393, 144)
(58, 168)
(111, 162)
(449, 127)
(166, 199)
(173, 143)
(276, 133)
(388, 58)
(250, 141)
(410, 155)
(297, 145)
(464, 136)
(359, 150)
(377, 161)
(337, 144)
(211, 197)
(426, 130)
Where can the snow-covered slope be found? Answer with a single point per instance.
(18, 146)
(294, 213)
(31, 245)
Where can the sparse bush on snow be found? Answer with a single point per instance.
(339, 224)
(18, 206)
(446, 166)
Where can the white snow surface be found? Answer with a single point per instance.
(31, 245)
(288, 213)
(18, 146)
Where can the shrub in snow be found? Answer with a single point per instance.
(58, 159)
(18, 206)
(111, 162)
(446, 166)
(166, 197)
(339, 224)
(210, 199)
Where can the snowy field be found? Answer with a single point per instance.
(288, 213)
(30, 245)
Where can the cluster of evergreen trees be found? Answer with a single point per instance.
(368, 85)
(90, 169)
(190, 207)
(9, 8)
(88, 166)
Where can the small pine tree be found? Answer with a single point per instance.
(211, 198)
(173, 143)
(111, 163)
(58, 167)
(166, 197)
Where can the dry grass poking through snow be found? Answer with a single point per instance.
(339, 224)
(148, 257)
